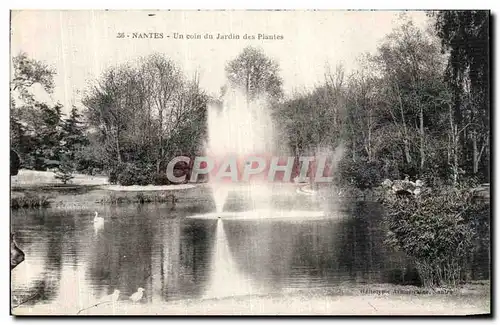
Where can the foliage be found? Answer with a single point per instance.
(466, 35)
(438, 232)
(417, 106)
(30, 200)
(140, 197)
(398, 111)
(65, 171)
(28, 72)
(131, 174)
(114, 172)
(72, 133)
(255, 73)
(361, 174)
(144, 113)
(160, 179)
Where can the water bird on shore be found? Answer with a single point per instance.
(112, 297)
(137, 296)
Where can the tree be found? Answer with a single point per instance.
(362, 102)
(465, 35)
(65, 170)
(25, 110)
(165, 83)
(27, 73)
(73, 136)
(411, 65)
(106, 104)
(255, 73)
(42, 136)
(142, 113)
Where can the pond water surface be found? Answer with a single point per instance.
(174, 256)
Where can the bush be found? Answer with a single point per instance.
(160, 179)
(30, 200)
(361, 174)
(438, 232)
(114, 172)
(64, 172)
(135, 175)
(139, 197)
(128, 176)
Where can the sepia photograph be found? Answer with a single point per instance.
(250, 162)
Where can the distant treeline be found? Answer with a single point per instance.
(417, 107)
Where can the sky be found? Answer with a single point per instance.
(80, 45)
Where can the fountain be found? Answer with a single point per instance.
(238, 128)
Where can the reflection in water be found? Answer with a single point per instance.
(225, 277)
(173, 257)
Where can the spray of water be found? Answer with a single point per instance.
(226, 280)
(241, 128)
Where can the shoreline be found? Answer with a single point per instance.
(345, 300)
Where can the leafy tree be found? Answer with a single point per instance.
(465, 35)
(410, 63)
(49, 133)
(255, 73)
(25, 109)
(28, 72)
(73, 136)
(142, 113)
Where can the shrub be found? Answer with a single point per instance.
(160, 179)
(114, 172)
(437, 232)
(361, 174)
(144, 177)
(128, 176)
(30, 200)
(135, 175)
(64, 172)
(139, 197)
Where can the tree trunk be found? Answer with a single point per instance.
(422, 140)
(353, 149)
(117, 146)
(369, 143)
(160, 141)
(405, 130)
(475, 156)
(454, 137)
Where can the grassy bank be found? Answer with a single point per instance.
(34, 189)
(90, 196)
(343, 300)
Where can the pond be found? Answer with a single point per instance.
(174, 256)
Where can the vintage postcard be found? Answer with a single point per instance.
(259, 162)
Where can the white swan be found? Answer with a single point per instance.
(98, 221)
(137, 296)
